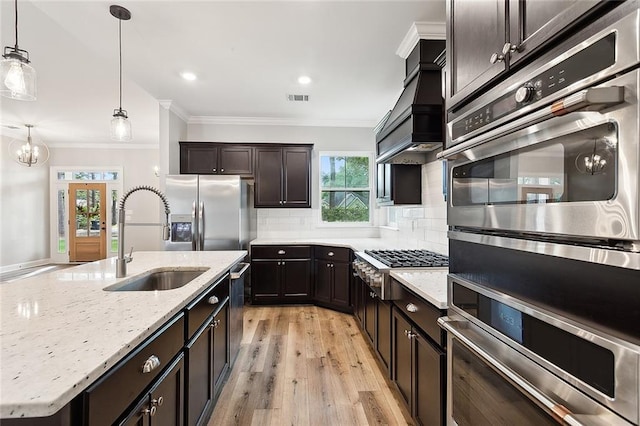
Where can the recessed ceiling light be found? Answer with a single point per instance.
(304, 79)
(187, 75)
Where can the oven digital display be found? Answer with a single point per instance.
(507, 320)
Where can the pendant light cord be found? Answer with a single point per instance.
(16, 10)
(120, 57)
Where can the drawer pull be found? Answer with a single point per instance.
(149, 411)
(330, 253)
(412, 308)
(150, 364)
(213, 300)
(157, 402)
(281, 252)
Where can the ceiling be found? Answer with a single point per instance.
(247, 56)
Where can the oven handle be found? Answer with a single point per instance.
(451, 326)
(592, 99)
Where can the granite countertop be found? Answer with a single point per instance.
(59, 332)
(357, 244)
(430, 285)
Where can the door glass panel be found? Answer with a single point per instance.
(62, 235)
(577, 167)
(82, 229)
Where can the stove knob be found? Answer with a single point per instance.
(377, 280)
(524, 94)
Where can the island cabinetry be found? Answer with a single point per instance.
(418, 356)
(333, 277)
(163, 405)
(206, 350)
(283, 176)
(216, 158)
(108, 398)
(281, 274)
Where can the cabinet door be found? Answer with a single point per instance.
(533, 23)
(340, 289)
(359, 302)
(406, 183)
(199, 388)
(401, 360)
(198, 158)
(138, 415)
(370, 299)
(220, 347)
(324, 272)
(476, 30)
(429, 375)
(268, 175)
(296, 279)
(265, 280)
(236, 160)
(297, 177)
(383, 332)
(168, 396)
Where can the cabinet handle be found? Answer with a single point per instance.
(496, 57)
(149, 411)
(281, 252)
(328, 265)
(213, 300)
(406, 332)
(284, 202)
(510, 48)
(330, 253)
(150, 364)
(412, 308)
(214, 170)
(157, 402)
(280, 201)
(221, 170)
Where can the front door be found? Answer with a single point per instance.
(87, 220)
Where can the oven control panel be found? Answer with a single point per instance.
(579, 66)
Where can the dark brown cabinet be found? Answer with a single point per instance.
(399, 184)
(483, 42)
(283, 176)
(333, 277)
(163, 405)
(281, 274)
(359, 294)
(216, 158)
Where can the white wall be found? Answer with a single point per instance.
(423, 226)
(143, 208)
(24, 212)
(285, 223)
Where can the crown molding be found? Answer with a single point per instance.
(421, 30)
(269, 121)
(173, 107)
(102, 145)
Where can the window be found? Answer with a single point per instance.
(345, 188)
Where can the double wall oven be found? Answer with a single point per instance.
(544, 229)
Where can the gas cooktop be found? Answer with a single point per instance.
(409, 258)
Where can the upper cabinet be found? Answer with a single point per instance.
(283, 176)
(484, 40)
(399, 184)
(216, 158)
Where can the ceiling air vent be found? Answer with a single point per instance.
(298, 98)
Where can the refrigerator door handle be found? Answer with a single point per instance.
(194, 227)
(201, 230)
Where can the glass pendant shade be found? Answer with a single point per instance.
(120, 127)
(18, 80)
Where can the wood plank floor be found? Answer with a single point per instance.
(305, 365)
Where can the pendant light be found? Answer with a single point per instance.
(29, 154)
(120, 125)
(17, 77)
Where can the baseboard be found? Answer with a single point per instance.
(18, 266)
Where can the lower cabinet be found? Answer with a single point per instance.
(332, 275)
(281, 274)
(360, 289)
(377, 325)
(163, 405)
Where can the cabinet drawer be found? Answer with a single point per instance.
(421, 312)
(280, 252)
(200, 309)
(110, 395)
(338, 254)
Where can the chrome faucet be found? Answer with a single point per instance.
(121, 262)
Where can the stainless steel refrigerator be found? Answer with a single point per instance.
(210, 213)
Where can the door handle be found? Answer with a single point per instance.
(194, 227)
(202, 226)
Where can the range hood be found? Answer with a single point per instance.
(415, 125)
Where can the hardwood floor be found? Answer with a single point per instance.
(305, 365)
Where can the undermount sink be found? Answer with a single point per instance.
(158, 280)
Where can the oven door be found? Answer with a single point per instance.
(490, 383)
(575, 174)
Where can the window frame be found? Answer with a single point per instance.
(370, 188)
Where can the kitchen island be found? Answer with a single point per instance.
(62, 331)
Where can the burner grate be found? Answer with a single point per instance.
(409, 258)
